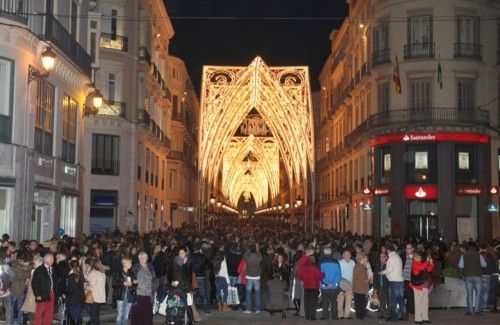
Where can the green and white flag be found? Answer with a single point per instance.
(440, 74)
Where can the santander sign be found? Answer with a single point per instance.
(419, 137)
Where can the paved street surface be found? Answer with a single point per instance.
(438, 316)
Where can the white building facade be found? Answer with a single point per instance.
(40, 117)
(421, 161)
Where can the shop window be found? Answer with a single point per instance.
(4, 210)
(385, 164)
(421, 164)
(465, 165)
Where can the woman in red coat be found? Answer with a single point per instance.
(311, 276)
(419, 281)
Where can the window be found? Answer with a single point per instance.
(70, 108)
(111, 86)
(73, 19)
(420, 44)
(5, 209)
(146, 179)
(465, 164)
(6, 93)
(468, 29)
(173, 179)
(466, 89)
(383, 96)
(44, 117)
(139, 161)
(105, 154)
(163, 175)
(175, 103)
(420, 29)
(420, 93)
(421, 164)
(385, 163)
(380, 37)
(114, 22)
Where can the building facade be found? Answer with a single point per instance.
(128, 140)
(182, 175)
(418, 156)
(40, 116)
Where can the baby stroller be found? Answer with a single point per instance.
(173, 305)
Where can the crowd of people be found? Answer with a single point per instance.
(244, 267)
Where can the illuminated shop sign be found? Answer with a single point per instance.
(469, 190)
(421, 192)
(382, 190)
(430, 137)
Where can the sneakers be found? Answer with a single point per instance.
(247, 312)
(257, 311)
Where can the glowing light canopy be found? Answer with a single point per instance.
(251, 119)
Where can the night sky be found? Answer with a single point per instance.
(237, 41)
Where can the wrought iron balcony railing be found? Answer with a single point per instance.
(381, 57)
(113, 108)
(114, 42)
(468, 50)
(431, 115)
(144, 55)
(14, 10)
(153, 128)
(419, 50)
(57, 34)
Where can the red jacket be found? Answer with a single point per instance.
(310, 275)
(417, 267)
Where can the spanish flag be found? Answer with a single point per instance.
(395, 76)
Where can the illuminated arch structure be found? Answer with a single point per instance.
(251, 119)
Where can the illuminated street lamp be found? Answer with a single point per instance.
(48, 59)
(299, 201)
(219, 204)
(97, 98)
(212, 199)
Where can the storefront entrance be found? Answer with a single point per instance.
(424, 226)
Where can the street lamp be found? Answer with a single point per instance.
(48, 63)
(212, 199)
(48, 59)
(97, 98)
(219, 204)
(299, 201)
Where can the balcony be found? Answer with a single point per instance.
(175, 155)
(5, 128)
(14, 10)
(381, 57)
(113, 108)
(154, 129)
(144, 55)
(419, 50)
(468, 50)
(114, 42)
(57, 34)
(431, 115)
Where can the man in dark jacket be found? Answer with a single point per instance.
(160, 261)
(201, 270)
(107, 260)
(471, 264)
(44, 287)
(486, 277)
(330, 283)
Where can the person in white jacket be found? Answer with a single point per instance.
(394, 273)
(221, 280)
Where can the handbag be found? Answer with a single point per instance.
(89, 297)
(194, 282)
(233, 298)
(345, 285)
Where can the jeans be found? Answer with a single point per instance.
(95, 313)
(17, 302)
(396, 298)
(329, 303)
(485, 291)
(473, 283)
(204, 291)
(9, 317)
(221, 287)
(123, 311)
(255, 285)
(310, 303)
(360, 305)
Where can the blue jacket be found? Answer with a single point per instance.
(331, 268)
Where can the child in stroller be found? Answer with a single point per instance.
(173, 304)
